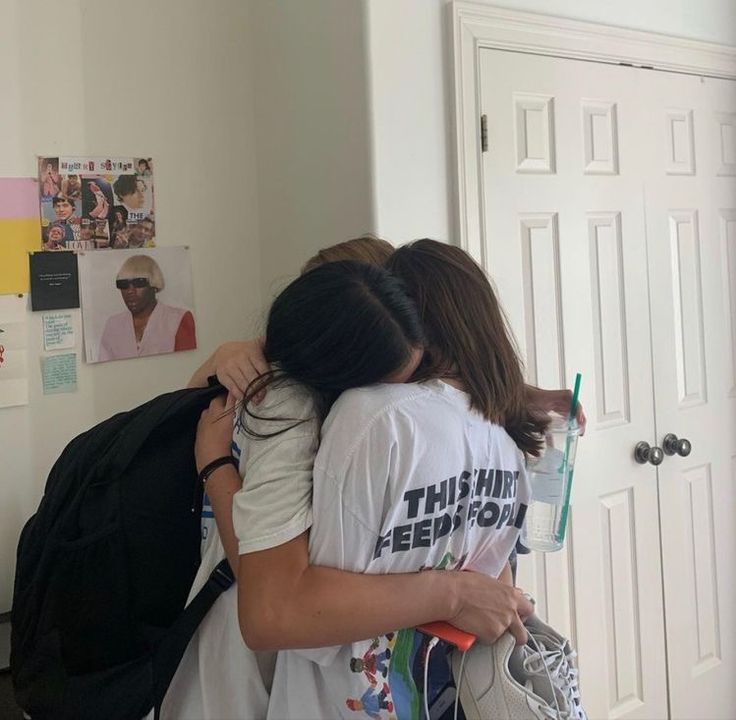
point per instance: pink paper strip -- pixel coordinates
(18, 198)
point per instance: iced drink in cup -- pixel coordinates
(550, 476)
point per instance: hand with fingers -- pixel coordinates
(488, 608)
(558, 401)
(526, 604)
(237, 364)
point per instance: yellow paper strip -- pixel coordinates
(17, 239)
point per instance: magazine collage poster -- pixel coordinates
(92, 203)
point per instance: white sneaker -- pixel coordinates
(561, 661)
(502, 682)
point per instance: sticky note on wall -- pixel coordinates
(59, 374)
(17, 238)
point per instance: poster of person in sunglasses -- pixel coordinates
(136, 303)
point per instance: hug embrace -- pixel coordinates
(378, 429)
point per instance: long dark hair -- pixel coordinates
(341, 325)
(468, 337)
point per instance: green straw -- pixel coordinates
(568, 489)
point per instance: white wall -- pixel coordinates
(314, 173)
(172, 79)
(411, 93)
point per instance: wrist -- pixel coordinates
(215, 464)
(202, 460)
(446, 587)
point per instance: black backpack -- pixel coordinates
(105, 565)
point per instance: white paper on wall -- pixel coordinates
(13, 351)
(58, 331)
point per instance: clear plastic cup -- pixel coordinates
(550, 476)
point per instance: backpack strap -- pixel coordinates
(171, 650)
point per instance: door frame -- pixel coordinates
(476, 26)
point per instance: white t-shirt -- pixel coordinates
(219, 677)
(275, 502)
(407, 477)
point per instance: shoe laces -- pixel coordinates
(569, 682)
(561, 670)
(545, 662)
(571, 675)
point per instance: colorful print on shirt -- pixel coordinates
(393, 667)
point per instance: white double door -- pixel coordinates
(610, 231)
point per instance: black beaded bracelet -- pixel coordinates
(210, 467)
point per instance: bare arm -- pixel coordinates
(214, 435)
(221, 487)
(288, 603)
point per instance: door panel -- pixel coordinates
(690, 234)
(728, 255)
(565, 244)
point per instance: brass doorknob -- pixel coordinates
(644, 453)
(672, 445)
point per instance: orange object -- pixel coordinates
(444, 631)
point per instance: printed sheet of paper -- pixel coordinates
(59, 374)
(54, 281)
(58, 331)
(13, 351)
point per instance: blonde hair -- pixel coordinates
(367, 248)
(142, 266)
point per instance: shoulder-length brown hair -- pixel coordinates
(468, 337)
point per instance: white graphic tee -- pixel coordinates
(407, 478)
